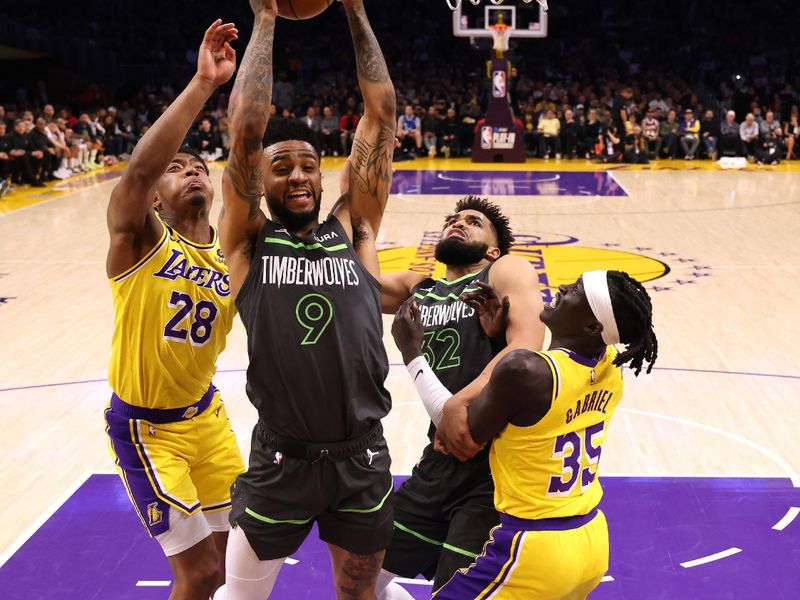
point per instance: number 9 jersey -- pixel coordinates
(173, 311)
(550, 469)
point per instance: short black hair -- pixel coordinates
(633, 313)
(281, 130)
(194, 153)
(505, 237)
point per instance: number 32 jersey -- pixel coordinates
(173, 311)
(550, 469)
(314, 335)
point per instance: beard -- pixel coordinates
(457, 253)
(197, 199)
(294, 221)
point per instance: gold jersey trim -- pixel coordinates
(125, 274)
(189, 242)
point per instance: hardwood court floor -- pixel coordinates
(718, 250)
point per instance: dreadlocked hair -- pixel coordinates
(633, 312)
(505, 237)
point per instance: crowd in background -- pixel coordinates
(626, 82)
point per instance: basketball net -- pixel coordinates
(501, 34)
(456, 4)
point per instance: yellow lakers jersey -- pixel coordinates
(173, 311)
(550, 469)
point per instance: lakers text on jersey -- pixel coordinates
(173, 311)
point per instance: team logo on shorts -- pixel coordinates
(278, 458)
(372, 454)
(154, 516)
(190, 412)
(151, 430)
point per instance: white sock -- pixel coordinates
(246, 577)
(388, 589)
(92, 155)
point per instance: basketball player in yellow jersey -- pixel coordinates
(549, 413)
(168, 431)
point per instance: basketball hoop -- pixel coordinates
(501, 34)
(456, 4)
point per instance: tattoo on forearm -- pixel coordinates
(369, 58)
(253, 87)
(251, 95)
(244, 172)
(360, 573)
(371, 163)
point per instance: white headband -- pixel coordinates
(595, 286)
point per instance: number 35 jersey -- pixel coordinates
(314, 335)
(550, 469)
(173, 311)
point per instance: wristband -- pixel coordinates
(433, 394)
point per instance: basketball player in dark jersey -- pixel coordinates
(444, 511)
(309, 297)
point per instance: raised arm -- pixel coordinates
(248, 113)
(373, 146)
(131, 220)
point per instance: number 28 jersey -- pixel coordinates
(173, 311)
(551, 469)
(314, 335)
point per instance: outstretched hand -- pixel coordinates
(216, 59)
(407, 330)
(492, 311)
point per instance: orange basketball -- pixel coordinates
(302, 9)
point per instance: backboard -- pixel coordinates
(527, 18)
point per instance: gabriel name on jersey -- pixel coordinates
(598, 400)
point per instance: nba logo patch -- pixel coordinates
(499, 84)
(154, 515)
(487, 134)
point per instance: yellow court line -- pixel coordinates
(578, 165)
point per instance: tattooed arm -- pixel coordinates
(370, 164)
(248, 112)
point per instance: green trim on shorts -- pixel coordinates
(402, 527)
(369, 510)
(444, 545)
(282, 242)
(460, 551)
(255, 515)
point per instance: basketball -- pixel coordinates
(302, 9)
